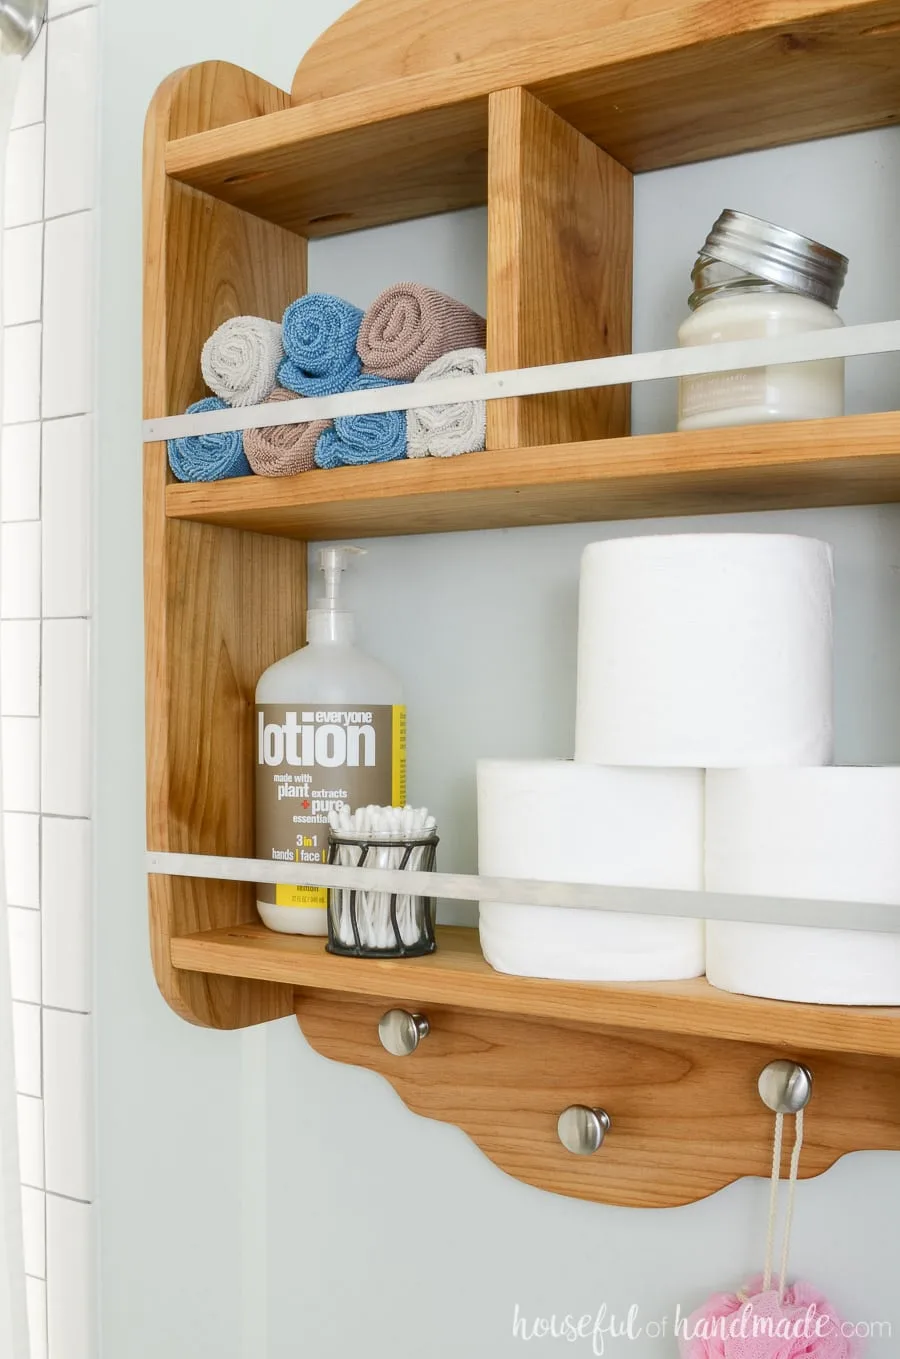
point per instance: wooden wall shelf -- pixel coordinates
(851, 461)
(674, 1064)
(682, 84)
(544, 119)
(457, 975)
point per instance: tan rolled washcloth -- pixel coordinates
(409, 326)
(283, 450)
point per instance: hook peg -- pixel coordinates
(401, 1032)
(582, 1129)
(785, 1087)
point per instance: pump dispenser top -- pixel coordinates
(326, 621)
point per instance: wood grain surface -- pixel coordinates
(685, 1113)
(854, 460)
(560, 229)
(653, 85)
(457, 976)
(220, 605)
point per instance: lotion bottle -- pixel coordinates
(330, 729)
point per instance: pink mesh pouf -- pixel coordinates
(766, 1320)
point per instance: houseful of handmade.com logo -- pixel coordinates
(604, 1329)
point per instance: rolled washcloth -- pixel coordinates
(319, 334)
(358, 439)
(208, 457)
(444, 431)
(409, 326)
(240, 360)
(283, 450)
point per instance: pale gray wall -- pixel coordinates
(259, 1202)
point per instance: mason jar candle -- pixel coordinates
(755, 280)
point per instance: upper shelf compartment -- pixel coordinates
(683, 84)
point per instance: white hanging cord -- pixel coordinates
(773, 1201)
(792, 1190)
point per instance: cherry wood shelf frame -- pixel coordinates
(850, 461)
(398, 111)
(674, 1064)
(671, 84)
(457, 974)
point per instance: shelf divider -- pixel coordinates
(560, 231)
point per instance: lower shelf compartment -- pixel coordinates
(458, 976)
(851, 460)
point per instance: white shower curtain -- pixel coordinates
(13, 1315)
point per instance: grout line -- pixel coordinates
(69, 1198)
(61, 1009)
(58, 18)
(59, 216)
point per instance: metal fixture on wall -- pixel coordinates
(20, 24)
(582, 1130)
(401, 1032)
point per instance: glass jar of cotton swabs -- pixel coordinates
(380, 924)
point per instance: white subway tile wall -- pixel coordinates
(22, 373)
(20, 472)
(24, 197)
(31, 1140)
(65, 717)
(20, 743)
(67, 937)
(66, 516)
(67, 384)
(34, 1231)
(25, 954)
(22, 274)
(68, 1104)
(20, 570)
(71, 1310)
(36, 1301)
(21, 836)
(47, 298)
(29, 104)
(20, 668)
(27, 1044)
(72, 58)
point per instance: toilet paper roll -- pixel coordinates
(564, 822)
(705, 649)
(829, 834)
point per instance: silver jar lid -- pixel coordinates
(776, 255)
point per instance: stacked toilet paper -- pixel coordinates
(824, 834)
(699, 653)
(567, 822)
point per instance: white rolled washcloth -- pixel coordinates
(444, 431)
(240, 360)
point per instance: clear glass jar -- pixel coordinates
(775, 283)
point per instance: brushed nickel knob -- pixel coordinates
(582, 1130)
(401, 1032)
(785, 1087)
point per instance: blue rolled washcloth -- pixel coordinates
(319, 333)
(357, 439)
(209, 457)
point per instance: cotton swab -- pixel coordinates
(373, 908)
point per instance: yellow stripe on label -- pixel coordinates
(313, 897)
(398, 756)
